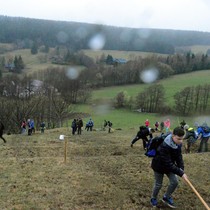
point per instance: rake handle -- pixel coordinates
(196, 192)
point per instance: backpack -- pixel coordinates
(154, 143)
(142, 127)
(144, 130)
(206, 129)
(110, 124)
(73, 124)
(192, 132)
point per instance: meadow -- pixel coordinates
(171, 85)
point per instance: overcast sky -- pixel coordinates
(163, 14)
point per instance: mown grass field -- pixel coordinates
(101, 171)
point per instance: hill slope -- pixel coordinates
(24, 31)
(102, 172)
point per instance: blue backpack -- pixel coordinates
(206, 129)
(154, 143)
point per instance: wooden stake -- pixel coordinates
(65, 150)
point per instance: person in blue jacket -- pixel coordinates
(89, 125)
(203, 135)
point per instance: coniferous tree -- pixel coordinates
(18, 63)
(109, 60)
(34, 48)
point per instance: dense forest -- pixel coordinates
(76, 36)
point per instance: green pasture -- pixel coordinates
(131, 119)
(37, 62)
(100, 107)
(172, 85)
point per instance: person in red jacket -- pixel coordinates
(147, 123)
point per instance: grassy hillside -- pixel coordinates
(102, 171)
(196, 49)
(128, 55)
(33, 63)
(131, 55)
(41, 60)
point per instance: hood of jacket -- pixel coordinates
(169, 141)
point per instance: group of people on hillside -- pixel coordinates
(201, 133)
(76, 126)
(28, 126)
(168, 159)
(160, 126)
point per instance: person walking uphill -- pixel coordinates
(79, 126)
(147, 123)
(74, 126)
(203, 135)
(190, 136)
(167, 125)
(142, 134)
(168, 161)
(2, 132)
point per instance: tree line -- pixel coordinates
(51, 99)
(189, 101)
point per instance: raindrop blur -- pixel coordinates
(97, 42)
(72, 73)
(62, 37)
(149, 75)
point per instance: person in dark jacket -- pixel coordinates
(109, 123)
(142, 134)
(74, 126)
(190, 136)
(182, 124)
(79, 126)
(168, 161)
(42, 127)
(2, 132)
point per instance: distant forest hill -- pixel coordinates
(76, 36)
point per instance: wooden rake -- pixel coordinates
(196, 192)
